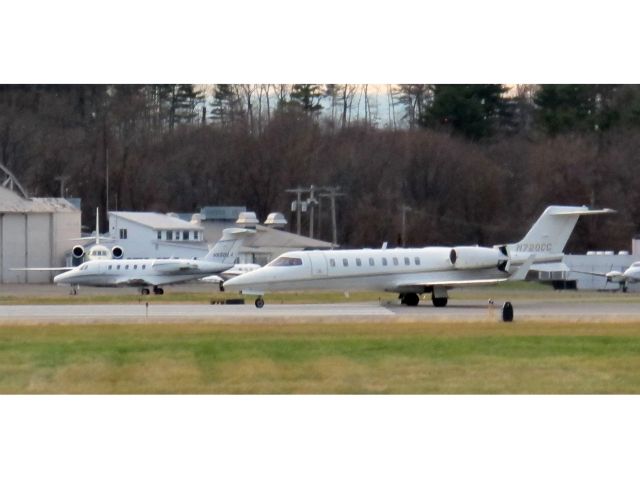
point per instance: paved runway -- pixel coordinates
(317, 313)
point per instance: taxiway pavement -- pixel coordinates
(467, 310)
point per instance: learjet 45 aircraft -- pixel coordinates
(155, 273)
(414, 271)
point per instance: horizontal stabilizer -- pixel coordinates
(550, 267)
(603, 211)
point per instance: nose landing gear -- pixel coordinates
(259, 302)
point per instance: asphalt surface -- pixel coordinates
(467, 310)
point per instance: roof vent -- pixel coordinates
(276, 220)
(247, 219)
(196, 218)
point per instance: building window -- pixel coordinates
(332, 262)
(118, 267)
(417, 261)
(371, 262)
(384, 261)
(126, 266)
(185, 235)
(395, 261)
(110, 266)
(159, 234)
(169, 235)
(195, 235)
(135, 266)
(123, 233)
(144, 266)
(358, 262)
(345, 262)
(407, 261)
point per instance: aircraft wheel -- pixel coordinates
(259, 303)
(158, 291)
(439, 302)
(144, 291)
(411, 299)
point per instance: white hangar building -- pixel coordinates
(34, 232)
(156, 235)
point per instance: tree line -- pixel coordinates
(475, 163)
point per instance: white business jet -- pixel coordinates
(97, 251)
(414, 271)
(623, 278)
(155, 273)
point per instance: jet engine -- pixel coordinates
(470, 257)
(117, 252)
(77, 251)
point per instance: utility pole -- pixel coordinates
(310, 204)
(317, 191)
(106, 162)
(404, 209)
(332, 193)
(62, 179)
(298, 191)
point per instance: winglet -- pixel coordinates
(522, 271)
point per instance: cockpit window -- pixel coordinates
(286, 261)
(636, 264)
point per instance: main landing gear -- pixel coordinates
(259, 302)
(156, 290)
(409, 299)
(74, 290)
(439, 298)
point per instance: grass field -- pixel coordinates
(313, 358)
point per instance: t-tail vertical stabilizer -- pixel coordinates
(225, 251)
(550, 233)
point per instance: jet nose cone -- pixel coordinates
(233, 284)
(60, 278)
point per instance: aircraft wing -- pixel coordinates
(133, 282)
(453, 283)
(174, 268)
(603, 275)
(61, 268)
(519, 275)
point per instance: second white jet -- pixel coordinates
(155, 273)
